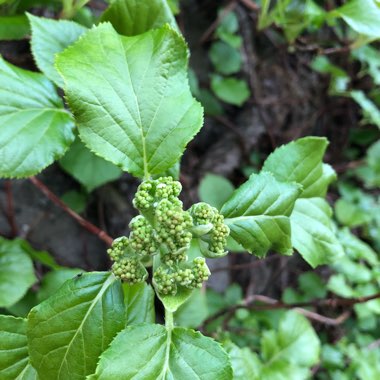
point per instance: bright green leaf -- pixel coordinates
(258, 214)
(246, 365)
(149, 352)
(36, 130)
(225, 58)
(230, 90)
(295, 342)
(215, 190)
(313, 234)
(16, 272)
(88, 169)
(14, 358)
(138, 111)
(53, 280)
(361, 15)
(194, 311)
(370, 111)
(301, 161)
(67, 332)
(139, 303)
(50, 37)
(133, 17)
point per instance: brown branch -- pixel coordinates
(273, 304)
(10, 208)
(210, 30)
(250, 5)
(83, 222)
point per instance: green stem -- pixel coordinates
(169, 321)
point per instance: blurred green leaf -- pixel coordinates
(225, 58)
(215, 190)
(230, 90)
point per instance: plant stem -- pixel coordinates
(83, 222)
(169, 321)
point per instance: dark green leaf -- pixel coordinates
(122, 110)
(258, 214)
(50, 37)
(14, 27)
(36, 129)
(88, 169)
(133, 17)
(194, 311)
(68, 331)
(149, 352)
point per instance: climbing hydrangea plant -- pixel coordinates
(130, 103)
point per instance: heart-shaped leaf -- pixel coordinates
(131, 98)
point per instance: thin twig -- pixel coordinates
(250, 5)
(10, 208)
(210, 30)
(273, 304)
(83, 222)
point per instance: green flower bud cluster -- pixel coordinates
(152, 191)
(141, 238)
(119, 248)
(173, 230)
(167, 279)
(209, 226)
(164, 232)
(130, 269)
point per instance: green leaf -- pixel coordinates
(301, 161)
(139, 303)
(370, 111)
(194, 311)
(258, 214)
(138, 111)
(295, 342)
(361, 15)
(14, 27)
(67, 332)
(150, 352)
(246, 365)
(230, 90)
(338, 285)
(50, 37)
(131, 18)
(36, 130)
(16, 272)
(88, 169)
(53, 280)
(14, 358)
(356, 248)
(313, 234)
(225, 58)
(350, 214)
(215, 190)
(76, 200)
